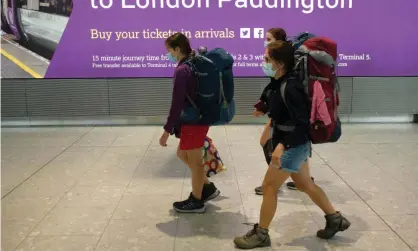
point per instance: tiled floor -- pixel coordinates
(111, 189)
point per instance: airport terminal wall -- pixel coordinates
(132, 101)
(101, 72)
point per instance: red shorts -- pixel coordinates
(192, 136)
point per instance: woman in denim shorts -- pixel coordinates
(291, 148)
(272, 35)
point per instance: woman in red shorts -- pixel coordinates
(191, 136)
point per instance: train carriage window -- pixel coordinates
(59, 7)
(22, 4)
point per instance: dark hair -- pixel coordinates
(282, 52)
(179, 40)
(278, 33)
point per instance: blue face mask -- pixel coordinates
(266, 43)
(268, 69)
(171, 58)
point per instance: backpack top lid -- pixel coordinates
(220, 57)
(299, 39)
(322, 49)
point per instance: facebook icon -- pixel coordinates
(258, 32)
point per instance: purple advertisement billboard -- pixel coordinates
(125, 38)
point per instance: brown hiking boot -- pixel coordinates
(255, 238)
(334, 223)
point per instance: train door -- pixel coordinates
(11, 15)
(4, 23)
(4, 5)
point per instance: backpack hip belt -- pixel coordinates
(283, 128)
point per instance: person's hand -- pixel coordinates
(276, 155)
(258, 113)
(164, 138)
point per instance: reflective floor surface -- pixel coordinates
(112, 188)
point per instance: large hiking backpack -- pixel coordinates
(315, 59)
(214, 103)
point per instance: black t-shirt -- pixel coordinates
(296, 113)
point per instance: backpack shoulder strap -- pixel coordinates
(222, 97)
(191, 101)
(193, 69)
(283, 94)
(285, 128)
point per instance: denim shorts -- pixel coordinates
(293, 158)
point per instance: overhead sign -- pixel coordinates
(125, 38)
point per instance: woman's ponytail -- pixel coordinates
(192, 53)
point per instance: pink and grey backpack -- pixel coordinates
(315, 59)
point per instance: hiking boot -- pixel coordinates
(255, 238)
(209, 192)
(292, 186)
(334, 223)
(191, 205)
(259, 190)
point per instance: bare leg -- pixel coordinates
(194, 157)
(183, 157)
(273, 180)
(335, 221)
(205, 179)
(258, 236)
(182, 154)
(266, 134)
(305, 184)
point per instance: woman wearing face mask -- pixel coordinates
(292, 148)
(191, 136)
(272, 35)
